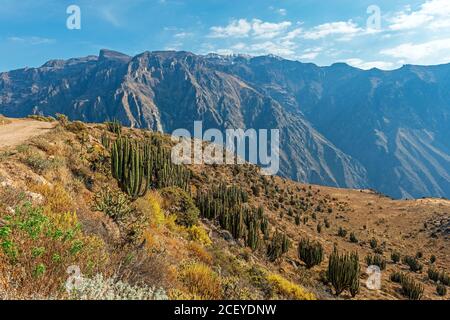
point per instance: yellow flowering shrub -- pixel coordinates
(285, 288)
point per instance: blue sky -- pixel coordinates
(323, 32)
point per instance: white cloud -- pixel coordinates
(182, 35)
(267, 30)
(293, 34)
(433, 14)
(346, 29)
(236, 29)
(367, 65)
(311, 53)
(283, 12)
(430, 52)
(31, 40)
(242, 28)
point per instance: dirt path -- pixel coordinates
(20, 130)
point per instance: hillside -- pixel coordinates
(61, 206)
(340, 126)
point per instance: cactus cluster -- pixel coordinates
(228, 206)
(343, 272)
(411, 289)
(413, 263)
(139, 165)
(311, 253)
(278, 246)
(114, 126)
(376, 260)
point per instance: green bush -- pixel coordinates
(113, 203)
(178, 202)
(311, 253)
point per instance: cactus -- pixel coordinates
(114, 126)
(395, 257)
(397, 277)
(413, 263)
(278, 246)
(343, 271)
(441, 290)
(311, 253)
(411, 289)
(376, 260)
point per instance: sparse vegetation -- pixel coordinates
(395, 257)
(343, 272)
(376, 260)
(441, 290)
(411, 289)
(413, 263)
(311, 253)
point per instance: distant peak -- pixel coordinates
(106, 54)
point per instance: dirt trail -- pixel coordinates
(20, 130)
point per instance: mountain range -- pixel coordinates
(339, 125)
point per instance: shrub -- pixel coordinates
(353, 238)
(396, 277)
(102, 288)
(62, 119)
(39, 162)
(311, 253)
(288, 289)
(178, 202)
(441, 290)
(327, 223)
(419, 255)
(376, 260)
(76, 127)
(413, 263)
(198, 234)
(395, 257)
(113, 203)
(343, 272)
(37, 245)
(342, 232)
(201, 281)
(411, 289)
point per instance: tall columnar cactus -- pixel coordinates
(311, 253)
(130, 168)
(253, 227)
(343, 272)
(278, 246)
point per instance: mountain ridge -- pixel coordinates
(341, 126)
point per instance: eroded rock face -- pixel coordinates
(340, 126)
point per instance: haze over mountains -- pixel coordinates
(339, 126)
